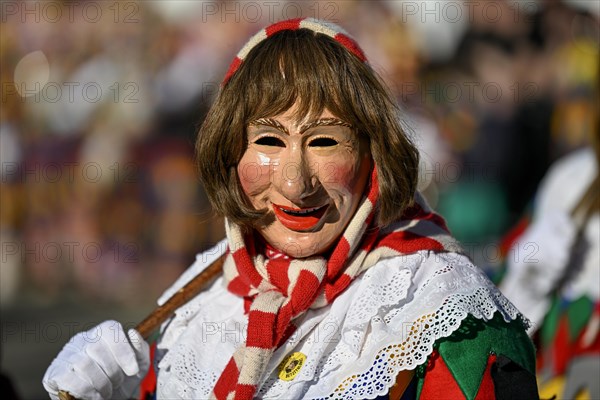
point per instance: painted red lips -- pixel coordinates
(299, 219)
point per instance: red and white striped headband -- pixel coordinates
(327, 28)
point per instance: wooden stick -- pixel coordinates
(164, 312)
(181, 297)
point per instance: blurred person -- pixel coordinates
(535, 59)
(553, 276)
(339, 280)
(553, 273)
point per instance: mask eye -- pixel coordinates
(323, 142)
(269, 141)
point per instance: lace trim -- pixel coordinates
(190, 375)
(424, 332)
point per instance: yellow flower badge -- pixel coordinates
(291, 365)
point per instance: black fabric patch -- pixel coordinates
(511, 381)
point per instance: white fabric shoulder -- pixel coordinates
(565, 184)
(566, 181)
(385, 322)
(538, 258)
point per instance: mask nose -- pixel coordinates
(296, 179)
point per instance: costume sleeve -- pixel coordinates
(481, 360)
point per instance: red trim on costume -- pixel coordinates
(439, 381)
(486, 387)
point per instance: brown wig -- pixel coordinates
(316, 72)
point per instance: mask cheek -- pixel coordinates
(342, 175)
(254, 177)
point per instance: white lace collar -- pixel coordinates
(385, 322)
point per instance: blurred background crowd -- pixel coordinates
(101, 207)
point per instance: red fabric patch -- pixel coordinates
(278, 274)
(238, 286)
(338, 258)
(283, 319)
(235, 64)
(408, 242)
(260, 329)
(374, 188)
(148, 385)
(244, 392)
(305, 291)
(417, 212)
(245, 267)
(486, 387)
(351, 45)
(227, 380)
(439, 382)
(288, 25)
(332, 291)
(561, 347)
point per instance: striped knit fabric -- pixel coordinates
(315, 25)
(279, 289)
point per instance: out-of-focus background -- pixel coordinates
(101, 208)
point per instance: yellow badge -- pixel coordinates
(291, 365)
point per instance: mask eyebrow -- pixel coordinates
(324, 122)
(273, 123)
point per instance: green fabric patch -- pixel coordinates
(578, 314)
(420, 374)
(550, 323)
(467, 350)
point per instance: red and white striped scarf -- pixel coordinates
(280, 289)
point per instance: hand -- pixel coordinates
(102, 363)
